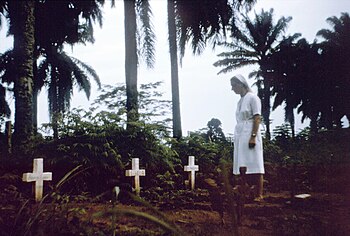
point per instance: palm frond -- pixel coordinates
(63, 72)
(3, 11)
(182, 40)
(147, 36)
(238, 33)
(82, 81)
(325, 33)
(240, 53)
(87, 69)
(91, 11)
(255, 74)
(279, 29)
(7, 67)
(4, 107)
(232, 65)
(334, 21)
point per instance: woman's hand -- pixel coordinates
(252, 142)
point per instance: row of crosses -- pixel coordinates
(39, 176)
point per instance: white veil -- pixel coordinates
(241, 79)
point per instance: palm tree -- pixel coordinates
(291, 71)
(54, 32)
(200, 21)
(131, 62)
(60, 72)
(195, 22)
(253, 43)
(133, 52)
(177, 128)
(22, 23)
(336, 50)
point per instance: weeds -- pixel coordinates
(158, 218)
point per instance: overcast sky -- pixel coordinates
(203, 94)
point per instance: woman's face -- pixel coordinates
(237, 87)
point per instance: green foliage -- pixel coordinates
(272, 152)
(153, 108)
(96, 153)
(98, 139)
(157, 217)
(39, 218)
(207, 154)
(168, 181)
(96, 145)
(326, 147)
(215, 133)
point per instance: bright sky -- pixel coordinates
(203, 94)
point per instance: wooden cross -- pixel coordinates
(192, 168)
(38, 176)
(136, 172)
(242, 191)
(117, 191)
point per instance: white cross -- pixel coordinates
(135, 171)
(38, 176)
(192, 168)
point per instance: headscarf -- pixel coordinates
(241, 79)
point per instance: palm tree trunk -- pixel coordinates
(35, 99)
(131, 62)
(54, 103)
(8, 135)
(266, 105)
(314, 123)
(292, 125)
(289, 117)
(23, 21)
(266, 95)
(177, 130)
(35, 111)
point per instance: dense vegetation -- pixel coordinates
(98, 138)
(289, 68)
(88, 151)
(95, 148)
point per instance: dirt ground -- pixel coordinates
(325, 212)
(277, 214)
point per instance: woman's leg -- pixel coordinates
(260, 185)
(257, 182)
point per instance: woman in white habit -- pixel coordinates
(248, 148)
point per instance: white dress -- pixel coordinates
(252, 158)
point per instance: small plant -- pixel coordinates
(155, 217)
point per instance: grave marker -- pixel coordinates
(38, 176)
(136, 172)
(192, 168)
(243, 190)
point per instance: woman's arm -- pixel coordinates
(256, 123)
